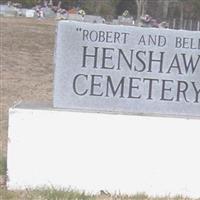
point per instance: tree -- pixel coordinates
(181, 2)
(196, 8)
(165, 8)
(141, 8)
(189, 9)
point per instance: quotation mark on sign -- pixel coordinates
(79, 29)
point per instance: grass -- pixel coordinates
(44, 194)
(3, 165)
(69, 194)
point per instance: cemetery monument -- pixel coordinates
(119, 70)
(127, 69)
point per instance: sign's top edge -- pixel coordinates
(49, 107)
(127, 26)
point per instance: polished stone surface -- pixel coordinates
(127, 69)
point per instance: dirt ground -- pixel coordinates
(26, 63)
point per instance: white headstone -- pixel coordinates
(8, 11)
(30, 13)
(126, 69)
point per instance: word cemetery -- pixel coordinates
(127, 69)
(118, 70)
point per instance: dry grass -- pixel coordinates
(68, 194)
(26, 62)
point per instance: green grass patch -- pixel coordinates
(44, 194)
(69, 194)
(3, 165)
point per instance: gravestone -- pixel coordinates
(49, 13)
(115, 22)
(62, 16)
(129, 70)
(75, 17)
(30, 13)
(94, 19)
(125, 20)
(2, 9)
(22, 12)
(8, 11)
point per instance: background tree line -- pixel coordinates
(159, 9)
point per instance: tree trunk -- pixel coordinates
(181, 14)
(50, 2)
(59, 4)
(141, 8)
(144, 7)
(138, 10)
(165, 9)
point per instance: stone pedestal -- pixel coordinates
(93, 152)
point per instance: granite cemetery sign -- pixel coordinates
(124, 69)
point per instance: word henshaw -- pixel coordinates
(138, 84)
(127, 69)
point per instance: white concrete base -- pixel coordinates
(88, 151)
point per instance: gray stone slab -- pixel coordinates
(75, 17)
(125, 20)
(115, 22)
(94, 19)
(49, 13)
(126, 69)
(21, 12)
(7, 11)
